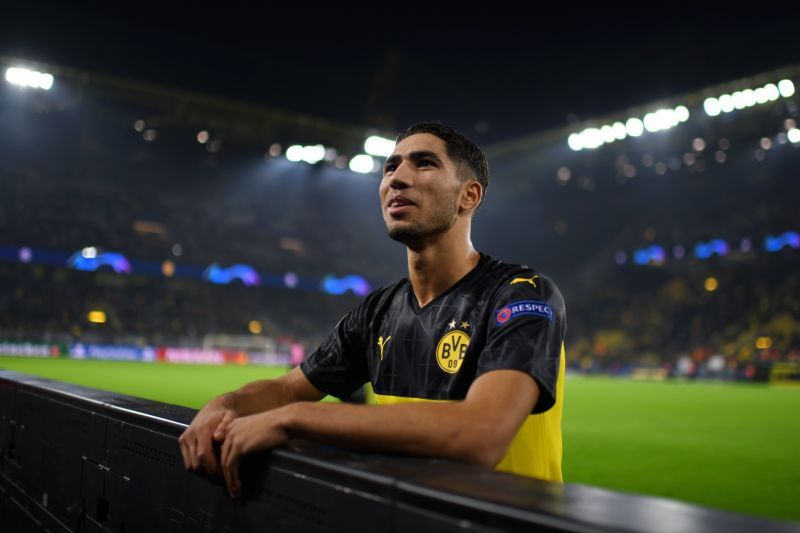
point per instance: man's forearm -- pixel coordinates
(475, 430)
(256, 397)
(449, 430)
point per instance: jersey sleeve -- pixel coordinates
(526, 331)
(339, 366)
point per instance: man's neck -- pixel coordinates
(439, 265)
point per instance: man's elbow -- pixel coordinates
(489, 456)
(484, 449)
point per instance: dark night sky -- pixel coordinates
(493, 75)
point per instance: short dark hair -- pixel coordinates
(469, 160)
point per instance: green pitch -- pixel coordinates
(728, 446)
(188, 385)
(725, 445)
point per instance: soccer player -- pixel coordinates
(465, 356)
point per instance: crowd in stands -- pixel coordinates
(86, 177)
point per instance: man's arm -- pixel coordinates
(476, 430)
(212, 420)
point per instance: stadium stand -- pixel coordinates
(117, 166)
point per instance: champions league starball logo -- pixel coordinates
(503, 315)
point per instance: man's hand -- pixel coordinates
(248, 434)
(209, 425)
(212, 423)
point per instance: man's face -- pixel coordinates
(420, 189)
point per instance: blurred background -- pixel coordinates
(203, 189)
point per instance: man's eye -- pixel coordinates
(387, 168)
(424, 161)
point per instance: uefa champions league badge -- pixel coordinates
(524, 307)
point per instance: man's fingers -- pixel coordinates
(236, 485)
(198, 442)
(187, 461)
(231, 471)
(208, 461)
(224, 452)
(230, 468)
(191, 444)
(222, 428)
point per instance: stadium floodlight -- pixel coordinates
(739, 101)
(748, 98)
(362, 163)
(667, 118)
(591, 138)
(379, 146)
(313, 154)
(786, 88)
(574, 142)
(607, 133)
(634, 127)
(660, 120)
(712, 107)
(772, 92)
(651, 122)
(29, 78)
(294, 153)
(726, 103)
(793, 135)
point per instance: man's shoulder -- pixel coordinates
(522, 291)
(519, 278)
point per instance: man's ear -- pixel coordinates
(472, 196)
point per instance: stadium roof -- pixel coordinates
(497, 77)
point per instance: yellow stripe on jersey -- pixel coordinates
(536, 449)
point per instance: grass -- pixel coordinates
(728, 446)
(179, 384)
(724, 445)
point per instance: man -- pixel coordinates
(466, 356)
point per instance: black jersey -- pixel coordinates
(498, 316)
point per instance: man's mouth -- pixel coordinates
(399, 205)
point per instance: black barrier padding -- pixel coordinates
(79, 459)
(19, 512)
(52, 434)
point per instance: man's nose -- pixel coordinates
(401, 177)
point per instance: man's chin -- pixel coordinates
(412, 233)
(404, 234)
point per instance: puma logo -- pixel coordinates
(382, 343)
(525, 280)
